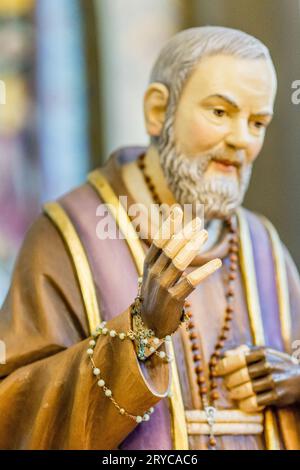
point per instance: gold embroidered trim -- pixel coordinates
(87, 288)
(250, 283)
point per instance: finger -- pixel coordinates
(189, 282)
(255, 355)
(231, 363)
(189, 250)
(263, 384)
(170, 276)
(162, 262)
(237, 378)
(241, 391)
(259, 369)
(267, 398)
(178, 240)
(170, 226)
(175, 247)
(152, 255)
(250, 404)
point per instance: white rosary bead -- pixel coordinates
(144, 341)
(139, 419)
(101, 383)
(104, 331)
(169, 358)
(156, 341)
(122, 411)
(168, 338)
(90, 352)
(151, 410)
(92, 342)
(152, 349)
(113, 333)
(146, 417)
(162, 354)
(96, 371)
(102, 325)
(108, 393)
(122, 336)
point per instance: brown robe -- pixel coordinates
(48, 396)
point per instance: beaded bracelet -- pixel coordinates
(101, 383)
(141, 335)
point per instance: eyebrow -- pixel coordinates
(234, 105)
(224, 98)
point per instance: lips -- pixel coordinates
(226, 163)
(226, 166)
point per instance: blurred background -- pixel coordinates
(73, 73)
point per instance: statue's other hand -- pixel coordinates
(257, 377)
(165, 285)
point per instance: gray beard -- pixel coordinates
(219, 195)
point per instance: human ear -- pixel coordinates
(155, 106)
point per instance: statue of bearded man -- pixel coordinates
(200, 355)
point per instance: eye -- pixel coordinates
(219, 112)
(259, 125)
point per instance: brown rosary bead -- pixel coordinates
(198, 369)
(191, 325)
(200, 380)
(229, 293)
(194, 347)
(213, 372)
(220, 344)
(233, 257)
(213, 360)
(229, 309)
(233, 267)
(214, 395)
(223, 336)
(203, 389)
(187, 304)
(213, 385)
(232, 276)
(217, 353)
(196, 357)
(229, 316)
(212, 442)
(193, 335)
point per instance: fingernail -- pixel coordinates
(214, 264)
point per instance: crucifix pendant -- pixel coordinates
(210, 412)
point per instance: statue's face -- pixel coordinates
(226, 104)
(208, 146)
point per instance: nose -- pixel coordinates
(239, 136)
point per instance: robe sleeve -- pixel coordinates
(49, 398)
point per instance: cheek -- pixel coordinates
(195, 134)
(254, 149)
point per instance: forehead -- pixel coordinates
(248, 81)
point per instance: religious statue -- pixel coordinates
(166, 335)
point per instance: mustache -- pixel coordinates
(223, 156)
